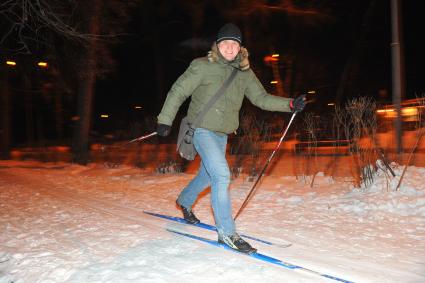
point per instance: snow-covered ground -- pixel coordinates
(67, 223)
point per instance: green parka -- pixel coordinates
(202, 80)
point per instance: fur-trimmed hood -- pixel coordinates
(242, 58)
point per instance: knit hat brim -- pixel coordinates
(229, 38)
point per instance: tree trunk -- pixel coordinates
(29, 111)
(59, 116)
(86, 86)
(5, 119)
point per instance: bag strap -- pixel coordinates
(211, 102)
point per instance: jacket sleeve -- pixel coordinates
(260, 98)
(180, 91)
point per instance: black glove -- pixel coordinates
(163, 130)
(298, 104)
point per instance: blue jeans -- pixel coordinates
(213, 171)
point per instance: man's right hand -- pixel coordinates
(163, 130)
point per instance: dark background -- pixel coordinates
(324, 50)
(160, 38)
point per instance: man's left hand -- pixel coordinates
(298, 104)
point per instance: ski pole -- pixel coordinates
(143, 137)
(251, 192)
(126, 143)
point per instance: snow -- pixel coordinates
(62, 222)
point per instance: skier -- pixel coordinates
(201, 81)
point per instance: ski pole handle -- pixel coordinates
(143, 137)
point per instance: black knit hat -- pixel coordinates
(229, 32)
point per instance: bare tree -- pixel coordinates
(26, 23)
(420, 131)
(86, 85)
(77, 34)
(359, 123)
(311, 126)
(5, 127)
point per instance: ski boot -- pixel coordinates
(237, 243)
(188, 215)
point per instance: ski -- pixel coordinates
(260, 256)
(213, 228)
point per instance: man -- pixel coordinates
(201, 81)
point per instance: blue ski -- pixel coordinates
(261, 257)
(213, 228)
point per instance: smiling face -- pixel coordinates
(229, 49)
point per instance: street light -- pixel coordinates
(137, 107)
(273, 82)
(104, 116)
(271, 58)
(311, 92)
(42, 64)
(10, 63)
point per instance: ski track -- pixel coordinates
(136, 217)
(136, 239)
